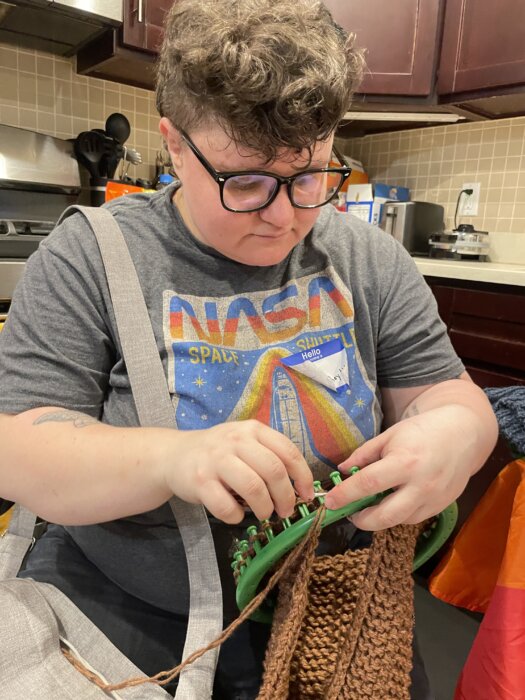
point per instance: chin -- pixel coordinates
(266, 258)
(264, 252)
(266, 262)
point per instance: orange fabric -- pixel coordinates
(495, 667)
(489, 548)
(485, 571)
(512, 571)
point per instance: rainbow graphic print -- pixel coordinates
(224, 363)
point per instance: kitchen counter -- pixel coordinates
(499, 273)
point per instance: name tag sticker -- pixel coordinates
(326, 363)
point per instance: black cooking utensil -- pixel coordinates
(118, 127)
(103, 165)
(113, 158)
(90, 148)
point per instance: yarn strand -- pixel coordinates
(309, 542)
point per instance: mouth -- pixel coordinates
(272, 236)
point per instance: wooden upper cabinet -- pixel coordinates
(483, 45)
(401, 40)
(143, 23)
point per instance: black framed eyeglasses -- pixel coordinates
(246, 191)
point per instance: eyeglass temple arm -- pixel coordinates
(340, 157)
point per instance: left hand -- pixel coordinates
(427, 459)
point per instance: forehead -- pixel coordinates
(225, 154)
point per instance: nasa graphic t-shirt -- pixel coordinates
(225, 363)
(227, 335)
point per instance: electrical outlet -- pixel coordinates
(469, 204)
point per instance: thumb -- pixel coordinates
(368, 452)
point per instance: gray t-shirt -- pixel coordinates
(222, 329)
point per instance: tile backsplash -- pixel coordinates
(435, 163)
(42, 92)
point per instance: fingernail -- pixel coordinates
(307, 494)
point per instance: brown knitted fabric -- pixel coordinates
(342, 629)
(343, 625)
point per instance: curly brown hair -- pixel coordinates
(272, 73)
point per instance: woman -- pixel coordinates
(241, 267)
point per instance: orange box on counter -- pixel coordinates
(117, 189)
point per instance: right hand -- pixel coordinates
(246, 458)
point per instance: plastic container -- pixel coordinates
(164, 180)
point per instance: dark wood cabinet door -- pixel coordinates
(486, 324)
(143, 23)
(401, 40)
(488, 329)
(483, 45)
(156, 12)
(134, 27)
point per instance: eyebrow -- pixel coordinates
(313, 165)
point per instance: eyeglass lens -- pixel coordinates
(250, 191)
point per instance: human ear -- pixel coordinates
(173, 141)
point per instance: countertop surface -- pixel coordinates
(499, 273)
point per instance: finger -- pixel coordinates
(385, 474)
(398, 507)
(294, 462)
(423, 513)
(272, 475)
(368, 452)
(221, 504)
(243, 478)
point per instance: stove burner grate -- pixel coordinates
(18, 239)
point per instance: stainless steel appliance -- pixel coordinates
(412, 223)
(58, 26)
(464, 243)
(39, 178)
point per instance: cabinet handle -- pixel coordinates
(140, 12)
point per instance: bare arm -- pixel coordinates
(71, 469)
(402, 403)
(399, 404)
(436, 437)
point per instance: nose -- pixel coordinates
(280, 213)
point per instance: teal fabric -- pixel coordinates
(508, 403)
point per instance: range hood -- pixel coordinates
(56, 26)
(370, 117)
(432, 117)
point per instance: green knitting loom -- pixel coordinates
(255, 556)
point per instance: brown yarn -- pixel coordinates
(305, 548)
(342, 629)
(343, 625)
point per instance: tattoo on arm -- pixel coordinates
(79, 420)
(410, 410)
